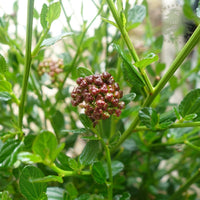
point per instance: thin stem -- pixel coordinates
(176, 125)
(108, 158)
(63, 173)
(78, 50)
(192, 145)
(37, 47)
(129, 44)
(185, 186)
(174, 66)
(30, 8)
(182, 141)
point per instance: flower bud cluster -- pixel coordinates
(99, 95)
(52, 68)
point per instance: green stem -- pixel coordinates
(108, 158)
(192, 145)
(176, 125)
(185, 186)
(174, 66)
(78, 50)
(30, 8)
(63, 173)
(129, 44)
(182, 141)
(37, 47)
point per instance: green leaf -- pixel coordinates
(117, 167)
(135, 16)
(98, 173)
(110, 22)
(9, 151)
(190, 104)
(167, 118)
(46, 179)
(73, 164)
(5, 96)
(131, 75)
(5, 86)
(86, 121)
(89, 153)
(55, 193)
(3, 36)
(3, 65)
(150, 58)
(128, 98)
(50, 41)
(53, 12)
(45, 145)
(71, 190)
(30, 190)
(190, 117)
(148, 117)
(36, 14)
(83, 72)
(43, 16)
(114, 139)
(188, 12)
(58, 121)
(29, 158)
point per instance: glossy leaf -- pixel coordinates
(5, 96)
(86, 121)
(30, 190)
(9, 151)
(45, 145)
(55, 193)
(117, 167)
(83, 72)
(50, 41)
(128, 98)
(148, 117)
(150, 58)
(89, 153)
(98, 173)
(190, 117)
(131, 75)
(3, 65)
(190, 104)
(29, 158)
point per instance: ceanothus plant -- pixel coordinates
(96, 121)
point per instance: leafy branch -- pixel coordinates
(185, 51)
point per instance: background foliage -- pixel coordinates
(48, 150)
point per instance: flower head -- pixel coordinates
(100, 95)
